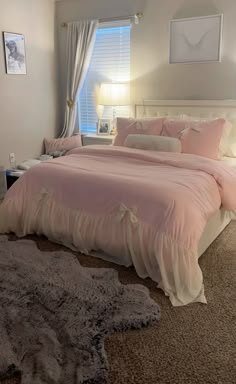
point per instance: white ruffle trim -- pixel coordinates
(119, 234)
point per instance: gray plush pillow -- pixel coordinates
(153, 143)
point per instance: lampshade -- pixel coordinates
(114, 94)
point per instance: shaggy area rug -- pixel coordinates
(191, 344)
(55, 315)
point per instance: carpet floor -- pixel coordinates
(195, 344)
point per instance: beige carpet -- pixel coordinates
(190, 345)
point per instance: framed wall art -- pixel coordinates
(14, 47)
(196, 39)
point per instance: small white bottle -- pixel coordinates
(3, 183)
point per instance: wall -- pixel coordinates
(28, 102)
(155, 78)
(152, 76)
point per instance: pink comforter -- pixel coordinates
(151, 207)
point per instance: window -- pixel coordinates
(110, 63)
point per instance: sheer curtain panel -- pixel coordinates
(80, 42)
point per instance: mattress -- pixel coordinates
(214, 227)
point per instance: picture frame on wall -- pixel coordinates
(196, 39)
(104, 127)
(14, 48)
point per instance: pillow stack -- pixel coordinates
(208, 138)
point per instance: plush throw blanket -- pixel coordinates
(144, 208)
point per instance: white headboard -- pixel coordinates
(195, 108)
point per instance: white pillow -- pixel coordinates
(153, 143)
(230, 149)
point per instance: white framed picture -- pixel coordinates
(14, 46)
(196, 39)
(104, 127)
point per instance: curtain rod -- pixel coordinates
(136, 18)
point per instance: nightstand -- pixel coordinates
(12, 176)
(92, 139)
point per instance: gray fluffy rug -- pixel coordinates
(55, 315)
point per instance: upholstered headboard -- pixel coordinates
(195, 108)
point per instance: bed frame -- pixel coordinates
(195, 108)
(202, 109)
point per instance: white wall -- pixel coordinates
(155, 78)
(28, 102)
(152, 76)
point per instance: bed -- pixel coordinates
(201, 109)
(104, 199)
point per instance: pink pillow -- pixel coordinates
(174, 128)
(201, 138)
(127, 127)
(63, 144)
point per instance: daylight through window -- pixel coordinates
(110, 63)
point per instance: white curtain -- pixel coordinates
(80, 42)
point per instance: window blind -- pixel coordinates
(110, 63)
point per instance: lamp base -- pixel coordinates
(113, 131)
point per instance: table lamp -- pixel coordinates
(114, 95)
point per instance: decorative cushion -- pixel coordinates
(153, 143)
(62, 144)
(202, 137)
(127, 126)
